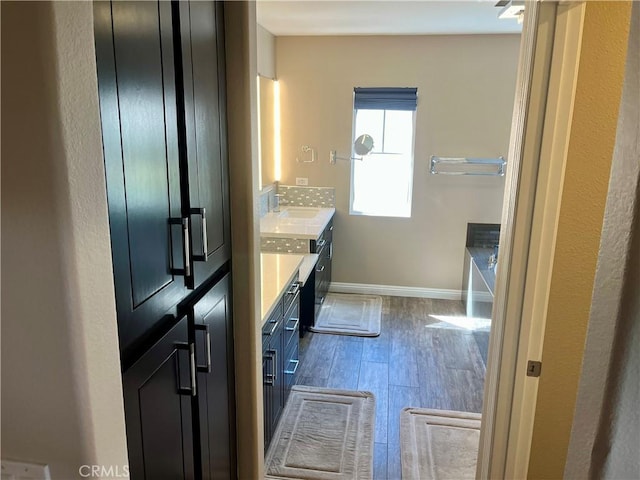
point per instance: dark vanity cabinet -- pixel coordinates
(280, 336)
(323, 246)
(272, 367)
(161, 81)
(317, 285)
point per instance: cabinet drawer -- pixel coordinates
(272, 325)
(291, 294)
(291, 363)
(328, 232)
(321, 268)
(292, 322)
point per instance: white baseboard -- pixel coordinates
(395, 291)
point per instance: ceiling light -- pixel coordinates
(513, 9)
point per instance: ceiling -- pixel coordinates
(383, 17)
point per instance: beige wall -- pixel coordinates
(466, 90)
(61, 387)
(586, 175)
(605, 435)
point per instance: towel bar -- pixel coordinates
(499, 162)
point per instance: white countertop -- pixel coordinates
(278, 270)
(296, 222)
(308, 264)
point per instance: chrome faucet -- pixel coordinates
(493, 258)
(279, 201)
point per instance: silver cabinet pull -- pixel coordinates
(321, 243)
(192, 368)
(321, 269)
(207, 338)
(294, 289)
(275, 365)
(295, 325)
(186, 249)
(203, 215)
(295, 369)
(270, 378)
(275, 326)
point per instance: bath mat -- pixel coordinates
(349, 314)
(323, 434)
(438, 444)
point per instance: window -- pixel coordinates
(381, 182)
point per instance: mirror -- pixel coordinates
(267, 130)
(363, 145)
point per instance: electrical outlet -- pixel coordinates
(302, 181)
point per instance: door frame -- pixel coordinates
(505, 415)
(547, 70)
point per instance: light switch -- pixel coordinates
(302, 181)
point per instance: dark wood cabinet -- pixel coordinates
(213, 330)
(291, 326)
(280, 337)
(272, 367)
(161, 79)
(203, 104)
(317, 285)
(324, 248)
(158, 390)
(162, 93)
(134, 50)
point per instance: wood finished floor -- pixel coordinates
(417, 361)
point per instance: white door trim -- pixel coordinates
(553, 154)
(516, 243)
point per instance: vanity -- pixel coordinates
(280, 317)
(306, 231)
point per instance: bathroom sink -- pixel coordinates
(299, 212)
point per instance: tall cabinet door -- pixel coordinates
(203, 75)
(136, 79)
(216, 399)
(158, 391)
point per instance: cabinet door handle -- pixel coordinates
(275, 365)
(190, 347)
(321, 243)
(295, 369)
(272, 377)
(268, 377)
(203, 215)
(295, 325)
(321, 269)
(207, 338)
(186, 249)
